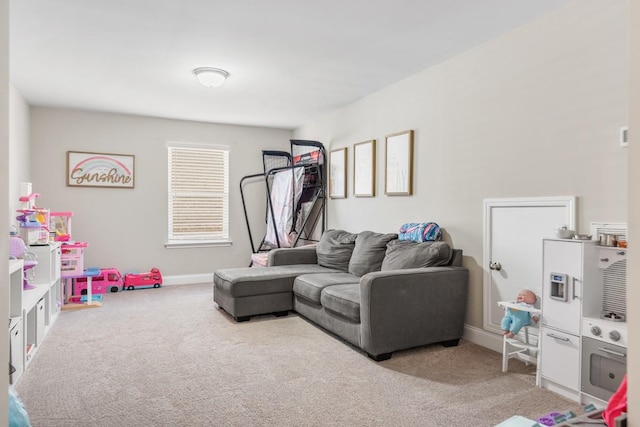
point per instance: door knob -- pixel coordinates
(495, 266)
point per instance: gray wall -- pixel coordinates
(127, 228)
(535, 112)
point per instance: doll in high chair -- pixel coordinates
(515, 319)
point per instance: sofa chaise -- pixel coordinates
(377, 292)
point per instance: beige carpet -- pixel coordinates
(170, 357)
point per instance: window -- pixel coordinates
(198, 194)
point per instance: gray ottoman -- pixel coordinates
(249, 291)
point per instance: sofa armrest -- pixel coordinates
(401, 309)
(290, 256)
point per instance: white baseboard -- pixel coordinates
(187, 279)
(483, 338)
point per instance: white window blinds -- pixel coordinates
(198, 193)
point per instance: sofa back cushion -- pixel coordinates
(369, 252)
(334, 249)
(401, 254)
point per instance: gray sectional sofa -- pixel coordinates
(374, 291)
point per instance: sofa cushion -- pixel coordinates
(343, 300)
(403, 254)
(250, 281)
(310, 286)
(335, 248)
(369, 252)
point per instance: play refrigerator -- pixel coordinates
(571, 286)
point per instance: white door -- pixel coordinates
(512, 260)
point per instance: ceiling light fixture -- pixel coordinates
(211, 77)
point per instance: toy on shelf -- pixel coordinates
(60, 226)
(33, 221)
(152, 279)
(72, 259)
(34, 225)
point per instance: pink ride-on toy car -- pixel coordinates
(152, 279)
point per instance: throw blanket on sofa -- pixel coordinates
(420, 232)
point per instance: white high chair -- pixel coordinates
(521, 345)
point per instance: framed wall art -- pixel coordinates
(364, 169)
(399, 164)
(100, 170)
(338, 173)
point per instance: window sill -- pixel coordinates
(189, 244)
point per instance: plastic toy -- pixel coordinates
(108, 280)
(86, 298)
(72, 259)
(60, 226)
(152, 279)
(18, 250)
(34, 226)
(549, 419)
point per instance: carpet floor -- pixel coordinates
(170, 357)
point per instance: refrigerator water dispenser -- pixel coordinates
(559, 286)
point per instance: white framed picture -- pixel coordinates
(338, 173)
(399, 164)
(364, 169)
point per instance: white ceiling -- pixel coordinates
(289, 60)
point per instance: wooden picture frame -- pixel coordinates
(364, 169)
(398, 180)
(338, 173)
(85, 169)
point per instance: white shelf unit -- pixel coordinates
(34, 310)
(16, 334)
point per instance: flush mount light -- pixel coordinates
(211, 77)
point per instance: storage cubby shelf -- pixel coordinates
(32, 311)
(15, 265)
(30, 297)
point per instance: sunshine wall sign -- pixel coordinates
(100, 170)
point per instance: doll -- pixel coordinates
(515, 319)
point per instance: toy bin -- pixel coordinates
(72, 259)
